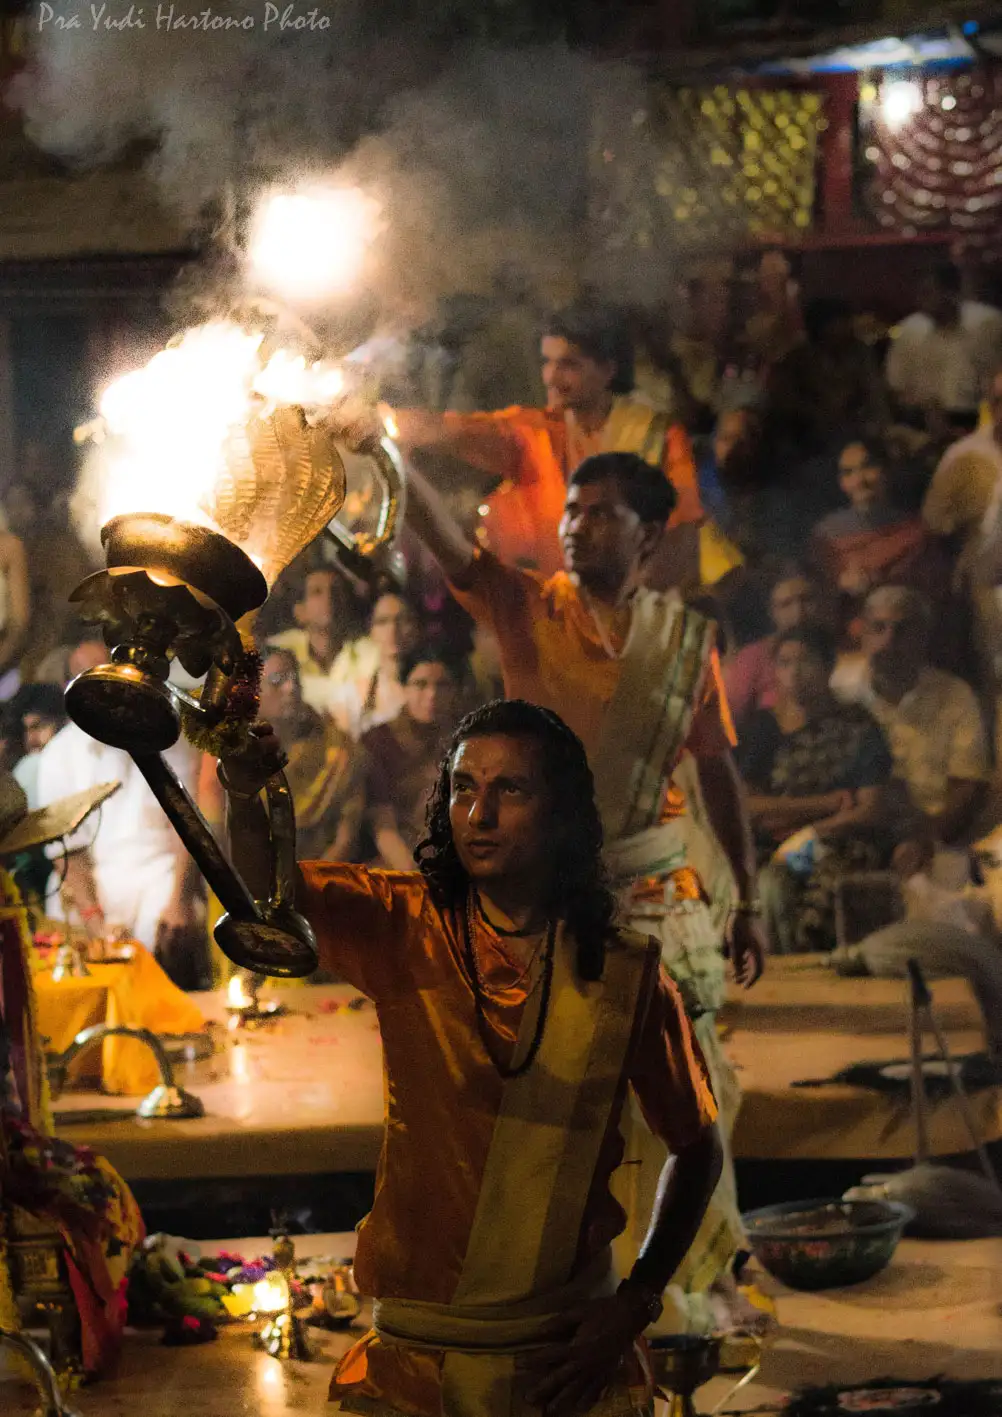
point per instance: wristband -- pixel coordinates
(747, 907)
(651, 1301)
(232, 791)
(92, 912)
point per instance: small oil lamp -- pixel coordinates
(284, 1335)
(217, 467)
(243, 1006)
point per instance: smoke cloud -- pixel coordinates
(479, 156)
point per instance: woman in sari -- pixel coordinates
(815, 771)
(377, 695)
(872, 542)
(404, 755)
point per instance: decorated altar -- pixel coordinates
(135, 992)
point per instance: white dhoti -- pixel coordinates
(691, 935)
(691, 952)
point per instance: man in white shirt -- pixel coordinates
(932, 723)
(329, 655)
(131, 870)
(965, 500)
(943, 357)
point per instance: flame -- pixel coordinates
(312, 242)
(270, 1296)
(288, 379)
(211, 431)
(170, 422)
(237, 994)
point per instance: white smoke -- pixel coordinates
(479, 161)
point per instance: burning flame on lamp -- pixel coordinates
(171, 433)
(271, 1295)
(214, 467)
(312, 242)
(237, 994)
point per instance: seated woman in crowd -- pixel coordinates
(750, 672)
(325, 768)
(404, 755)
(376, 696)
(815, 770)
(871, 542)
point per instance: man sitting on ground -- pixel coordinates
(41, 711)
(513, 1016)
(326, 645)
(932, 723)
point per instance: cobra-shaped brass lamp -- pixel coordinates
(187, 556)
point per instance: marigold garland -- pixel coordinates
(230, 734)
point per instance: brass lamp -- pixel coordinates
(174, 588)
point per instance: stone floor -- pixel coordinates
(936, 1310)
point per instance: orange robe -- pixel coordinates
(382, 932)
(528, 448)
(551, 654)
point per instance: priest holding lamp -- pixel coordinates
(214, 466)
(515, 1017)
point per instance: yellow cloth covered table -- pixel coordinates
(137, 994)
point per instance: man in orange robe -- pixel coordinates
(514, 1019)
(587, 370)
(633, 671)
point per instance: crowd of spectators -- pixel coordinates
(849, 547)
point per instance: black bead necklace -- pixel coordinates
(479, 989)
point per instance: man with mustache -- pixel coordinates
(587, 370)
(633, 671)
(514, 1017)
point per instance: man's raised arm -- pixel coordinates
(433, 523)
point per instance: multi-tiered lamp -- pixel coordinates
(217, 465)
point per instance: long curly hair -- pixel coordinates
(578, 890)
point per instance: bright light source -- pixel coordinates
(899, 101)
(312, 243)
(948, 102)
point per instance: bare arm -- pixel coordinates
(684, 1190)
(867, 810)
(250, 841)
(430, 519)
(789, 814)
(573, 1375)
(392, 847)
(342, 848)
(79, 891)
(726, 806)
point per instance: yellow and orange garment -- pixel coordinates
(492, 1205)
(326, 773)
(535, 450)
(552, 655)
